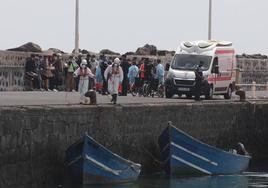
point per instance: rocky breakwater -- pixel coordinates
(33, 139)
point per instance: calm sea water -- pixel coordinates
(246, 180)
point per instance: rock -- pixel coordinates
(28, 47)
(52, 51)
(162, 52)
(56, 51)
(253, 56)
(165, 53)
(108, 52)
(130, 53)
(172, 53)
(80, 51)
(85, 51)
(147, 50)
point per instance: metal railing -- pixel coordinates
(254, 86)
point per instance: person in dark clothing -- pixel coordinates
(88, 58)
(103, 66)
(198, 80)
(39, 69)
(148, 70)
(167, 66)
(78, 62)
(91, 80)
(52, 79)
(30, 64)
(125, 66)
(58, 71)
(30, 74)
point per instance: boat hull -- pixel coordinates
(91, 163)
(185, 155)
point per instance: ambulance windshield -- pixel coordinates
(190, 62)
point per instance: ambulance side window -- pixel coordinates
(215, 66)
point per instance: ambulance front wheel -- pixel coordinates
(209, 92)
(189, 96)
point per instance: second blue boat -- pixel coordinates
(185, 155)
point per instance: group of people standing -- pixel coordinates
(114, 76)
(107, 75)
(44, 72)
(92, 73)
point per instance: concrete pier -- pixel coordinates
(33, 139)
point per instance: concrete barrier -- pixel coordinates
(33, 139)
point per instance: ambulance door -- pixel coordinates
(225, 71)
(215, 72)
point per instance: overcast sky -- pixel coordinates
(125, 25)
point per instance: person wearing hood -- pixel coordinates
(84, 73)
(114, 76)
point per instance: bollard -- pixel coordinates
(241, 94)
(254, 89)
(91, 94)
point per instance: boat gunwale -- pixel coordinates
(128, 162)
(207, 145)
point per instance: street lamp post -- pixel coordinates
(76, 51)
(209, 19)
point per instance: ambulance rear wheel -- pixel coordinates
(228, 95)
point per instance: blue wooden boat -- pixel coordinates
(185, 155)
(91, 163)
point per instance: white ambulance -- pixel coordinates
(219, 62)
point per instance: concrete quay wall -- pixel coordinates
(33, 139)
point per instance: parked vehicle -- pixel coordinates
(219, 62)
(185, 155)
(91, 163)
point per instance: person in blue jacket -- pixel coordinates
(133, 73)
(160, 72)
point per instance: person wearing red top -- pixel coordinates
(142, 71)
